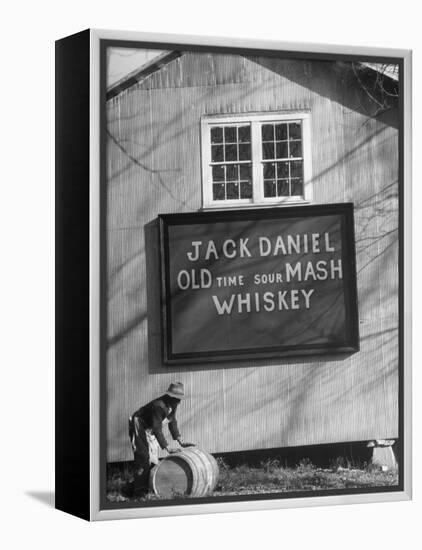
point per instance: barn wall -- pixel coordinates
(154, 167)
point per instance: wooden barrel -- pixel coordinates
(191, 472)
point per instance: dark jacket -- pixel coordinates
(152, 415)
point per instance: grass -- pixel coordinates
(269, 477)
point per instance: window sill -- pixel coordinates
(243, 206)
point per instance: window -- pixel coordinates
(231, 162)
(256, 159)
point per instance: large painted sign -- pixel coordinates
(258, 283)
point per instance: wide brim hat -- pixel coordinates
(176, 390)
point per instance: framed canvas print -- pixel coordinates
(233, 275)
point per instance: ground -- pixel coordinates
(270, 477)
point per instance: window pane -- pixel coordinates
(281, 132)
(232, 191)
(283, 188)
(282, 170)
(217, 153)
(218, 191)
(244, 152)
(245, 172)
(245, 190)
(216, 134)
(267, 132)
(269, 188)
(218, 173)
(268, 150)
(231, 172)
(295, 131)
(296, 169)
(295, 148)
(297, 187)
(244, 133)
(231, 152)
(230, 134)
(282, 150)
(269, 170)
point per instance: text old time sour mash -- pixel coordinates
(291, 247)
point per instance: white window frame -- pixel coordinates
(256, 120)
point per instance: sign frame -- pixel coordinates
(350, 345)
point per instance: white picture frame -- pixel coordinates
(91, 413)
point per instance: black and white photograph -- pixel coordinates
(252, 274)
(210, 275)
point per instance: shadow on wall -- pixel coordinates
(45, 497)
(357, 91)
(156, 364)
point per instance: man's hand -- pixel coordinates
(173, 451)
(184, 445)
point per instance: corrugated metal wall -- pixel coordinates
(154, 166)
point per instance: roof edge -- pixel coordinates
(390, 70)
(158, 62)
(139, 74)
